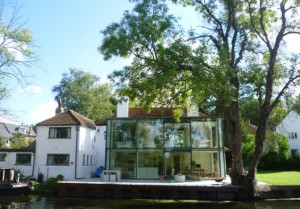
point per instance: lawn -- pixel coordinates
(279, 177)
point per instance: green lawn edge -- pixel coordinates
(279, 178)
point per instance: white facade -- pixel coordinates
(100, 144)
(290, 127)
(80, 147)
(10, 161)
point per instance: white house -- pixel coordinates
(290, 127)
(22, 160)
(66, 145)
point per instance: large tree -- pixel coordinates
(16, 54)
(82, 92)
(169, 68)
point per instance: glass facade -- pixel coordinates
(149, 148)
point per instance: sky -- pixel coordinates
(66, 35)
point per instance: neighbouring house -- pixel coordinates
(8, 130)
(66, 145)
(290, 127)
(146, 145)
(22, 160)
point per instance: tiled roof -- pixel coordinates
(154, 113)
(7, 130)
(69, 117)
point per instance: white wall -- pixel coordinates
(100, 146)
(46, 146)
(291, 124)
(85, 146)
(10, 162)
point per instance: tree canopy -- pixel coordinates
(236, 51)
(16, 50)
(82, 92)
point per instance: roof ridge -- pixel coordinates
(76, 114)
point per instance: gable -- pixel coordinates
(66, 118)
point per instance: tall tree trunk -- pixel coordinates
(233, 134)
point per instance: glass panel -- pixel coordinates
(2, 156)
(125, 161)
(123, 134)
(59, 133)
(150, 163)
(58, 159)
(177, 135)
(23, 159)
(204, 134)
(108, 134)
(205, 164)
(150, 134)
(177, 163)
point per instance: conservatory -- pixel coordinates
(156, 148)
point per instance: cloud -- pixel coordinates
(33, 89)
(43, 112)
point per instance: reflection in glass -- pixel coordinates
(124, 133)
(177, 135)
(203, 134)
(150, 134)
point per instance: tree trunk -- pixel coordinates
(250, 189)
(233, 134)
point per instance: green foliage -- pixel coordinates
(18, 141)
(82, 93)
(2, 142)
(276, 154)
(16, 51)
(51, 184)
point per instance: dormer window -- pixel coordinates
(60, 133)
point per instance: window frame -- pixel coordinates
(3, 156)
(23, 154)
(58, 131)
(293, 135)
(57, 156)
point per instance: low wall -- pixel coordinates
(123, 191)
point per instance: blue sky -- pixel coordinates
(66, 34)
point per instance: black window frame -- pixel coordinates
(24, 155)
(3, 156)
(58, 157)
(59, 132)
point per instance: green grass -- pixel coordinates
(279, 177)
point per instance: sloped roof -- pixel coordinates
(69, 117)
(7, 130)
(141, 113)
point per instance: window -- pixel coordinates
(23, 159)
(91, 160)
(87, 160)
(60, 133)
(2, 156)
(58, 159)
(83, 160)
(293, 135)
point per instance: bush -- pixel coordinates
(52, 182)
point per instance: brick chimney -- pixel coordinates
(60, 108)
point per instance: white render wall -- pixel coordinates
(10, 162)
(44, 146)
(100, 146)
(291, 124)
(86, 147)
